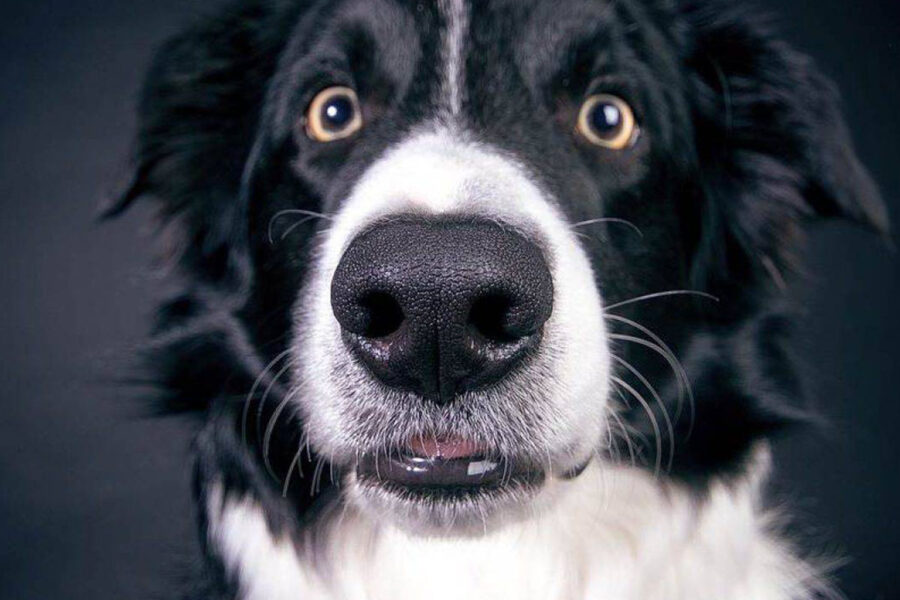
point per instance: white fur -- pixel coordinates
(266, 567)
(456, 15)
(615, 534)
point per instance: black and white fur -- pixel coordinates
(469, 111)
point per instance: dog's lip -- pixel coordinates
(445, 464)
(447, 448)
(443, 474)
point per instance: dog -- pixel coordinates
(488, 299)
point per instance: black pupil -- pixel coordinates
(337, 112)
(606, 118)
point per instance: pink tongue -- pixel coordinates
(430, 447)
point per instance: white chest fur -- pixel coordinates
(616, 535)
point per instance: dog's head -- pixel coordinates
(458, 250)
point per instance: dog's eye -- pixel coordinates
(333, 114)
(607, 121)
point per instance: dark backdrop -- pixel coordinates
(94, 500)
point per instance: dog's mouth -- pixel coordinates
(446, 466)
(452, 485)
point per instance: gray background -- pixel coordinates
(94, 498)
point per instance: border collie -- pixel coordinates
(487, 299)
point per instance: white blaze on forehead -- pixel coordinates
(456, 17)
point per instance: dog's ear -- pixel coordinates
(773, 148)
(198, 114)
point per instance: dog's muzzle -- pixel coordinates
(438, 308)
(451, 349)
(441, 307)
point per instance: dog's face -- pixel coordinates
(450, 349)
(439, 217)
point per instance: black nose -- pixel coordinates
(443, 306)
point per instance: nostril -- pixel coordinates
(383, 313)
(490, 317)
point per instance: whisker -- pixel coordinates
(633, 432)
(252, 392)
(612, 449)
(684, 383)
(317, 476)
(507, 473)
(622, 397)
(625, 436)
(662, 295)
(345, 508)
(290, 471)
(676, 367)
(265, 396)
(292, 227)
(270, 429)
(309, 452)
(627, 223)
(671, 430)
(331, 468)
(308, 214)
(654, 423)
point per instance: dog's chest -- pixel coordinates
(618, 538)
(402, 569)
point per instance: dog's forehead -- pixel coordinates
(496, 72)
(428, 39)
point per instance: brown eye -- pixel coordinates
(608, 121)
(333, 114)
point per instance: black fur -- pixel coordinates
(744, 144)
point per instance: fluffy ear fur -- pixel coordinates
(773, 148)
(198, 114)
(773, 153)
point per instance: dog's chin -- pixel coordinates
(446, 511)
(467, 496)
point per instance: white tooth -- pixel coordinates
(481, 467)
